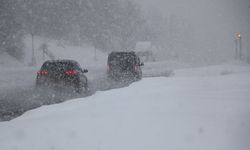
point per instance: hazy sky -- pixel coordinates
(205, 11)
(215, 21)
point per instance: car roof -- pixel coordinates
(61, 61)
(122, 52)
(114, 54)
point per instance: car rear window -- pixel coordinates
(121, 58)
(60, 66)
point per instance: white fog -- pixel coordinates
(124, 74)
(212, 25)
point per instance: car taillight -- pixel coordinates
(109, 68)
(71, 72)
(42, 73)
(136, 68)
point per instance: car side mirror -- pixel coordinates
(85, 70)
(141, 64)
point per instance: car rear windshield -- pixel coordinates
(60, 66)
(121, 58)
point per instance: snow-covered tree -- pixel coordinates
(106, 24)
(11, 29)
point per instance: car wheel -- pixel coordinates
(82, 89)
(39, 85)
(138, 76)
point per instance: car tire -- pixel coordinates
(82, 89)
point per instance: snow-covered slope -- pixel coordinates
(179, 113)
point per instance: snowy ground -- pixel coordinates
(196, 109)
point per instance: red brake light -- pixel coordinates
(109, 68)
(136, 68)
(42, 73)
(71, 72)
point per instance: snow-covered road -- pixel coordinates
(18, 93)
(203, 109)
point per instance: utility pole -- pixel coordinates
(238, 47)
(33, 60)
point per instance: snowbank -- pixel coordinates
(178, 113)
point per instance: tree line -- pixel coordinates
(105, 24)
